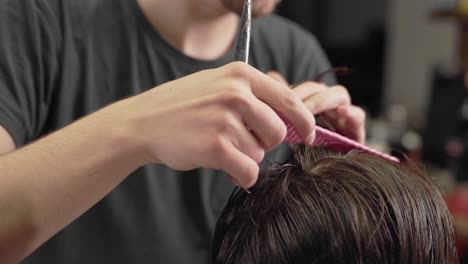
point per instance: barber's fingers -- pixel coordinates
(349, 121)
(245, 141)
(264, 123)
(280, 98)
(335, 103)
(354, 124)
(329, 99)
(306, 90)
(239, 166)
(277, 77)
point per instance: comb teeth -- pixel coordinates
(327, 138)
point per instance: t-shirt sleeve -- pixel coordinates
(28, 61)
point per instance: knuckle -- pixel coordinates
(341, 88)
(310, 127)
(218, 147)
(221, 117)
(315, 85)
(277, 77)
(235, 96)
(258, 155)
(230, 92)
(343, 91)
(238, 70)
(250, 172)
(282, 132)
(292, 102)
(291, 99)
(362, 113)
(278, 135)
(226, 124)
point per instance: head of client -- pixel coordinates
(324, 207)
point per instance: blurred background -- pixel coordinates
(410, 62)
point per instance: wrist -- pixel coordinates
(128, 133)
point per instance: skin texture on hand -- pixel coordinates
(220, 119)
(334, 103)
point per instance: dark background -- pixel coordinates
(364, 54)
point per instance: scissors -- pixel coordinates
(243, 37)
(243, 45)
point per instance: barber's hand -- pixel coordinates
(334, 103)
(221, 119)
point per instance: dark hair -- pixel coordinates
(324, 207)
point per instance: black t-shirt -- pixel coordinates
(62, 59)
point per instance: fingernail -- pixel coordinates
(311, 138)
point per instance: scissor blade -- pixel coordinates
(243, 38)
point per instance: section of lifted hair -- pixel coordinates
(326, 207)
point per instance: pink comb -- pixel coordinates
(327, 138)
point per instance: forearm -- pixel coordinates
(48, 184)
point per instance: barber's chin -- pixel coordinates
(259, 7)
